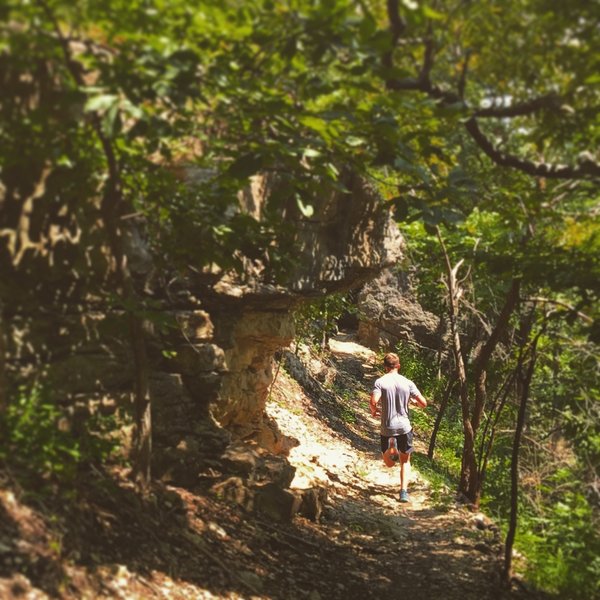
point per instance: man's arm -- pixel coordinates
(373, 402)
(419, 400)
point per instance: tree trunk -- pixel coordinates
(142, 437)
(469, 483)
(489, 432)
(142, 440)
(469, 475)
(523, 384)
(438, 419)
(468, 472)
(3, 381)
(112, 205)
(480, 366)
(484, 355)
(440, 353)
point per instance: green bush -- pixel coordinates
(557, 531)
(563, 548)
(39, 440)
(420, 367)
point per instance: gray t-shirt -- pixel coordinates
(395, 391)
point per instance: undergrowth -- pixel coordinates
(42, 443)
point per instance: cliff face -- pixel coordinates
(390, 313)
(347, 241)
(210, 341)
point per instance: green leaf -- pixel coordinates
(332, 171)
(310, 153)
(354, 141)
(111, 121)
(100, 103)
(306, 209)
(314, 123)
(430, 13)
(135, 112)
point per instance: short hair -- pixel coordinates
(391, 360)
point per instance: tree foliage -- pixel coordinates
(478, 118)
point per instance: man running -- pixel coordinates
(391, 396)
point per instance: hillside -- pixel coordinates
(106, 542)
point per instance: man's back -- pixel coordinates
(396, 391)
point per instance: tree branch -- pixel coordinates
(462, 82)
(427, 60)
(512, 298)
(584, 170)
(566, 305)
(522, 109)
(397, 27)
(423, 84)
(587, 168)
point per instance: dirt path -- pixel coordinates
(424, 547)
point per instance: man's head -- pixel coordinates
(391, 361)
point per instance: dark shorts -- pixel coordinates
(404, 441)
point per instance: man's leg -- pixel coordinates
(387, 457)
(390, 457)
(406, 448)
(404, 471)
(389, 452)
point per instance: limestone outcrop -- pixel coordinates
(388, 313)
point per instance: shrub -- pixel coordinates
(39, 440)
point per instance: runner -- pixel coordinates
(390, 398)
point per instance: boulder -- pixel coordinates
(276, 503)
(312, 503)
(389, 313)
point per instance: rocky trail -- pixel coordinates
(431, 547)
(191, 544)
